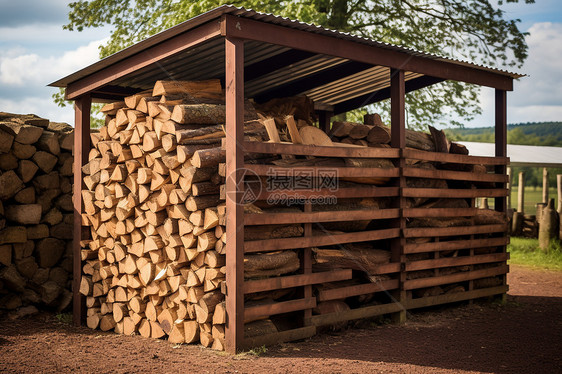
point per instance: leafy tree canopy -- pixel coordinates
(474, 30)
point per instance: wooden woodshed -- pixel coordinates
(264, 57)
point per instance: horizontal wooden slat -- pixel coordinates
(453, 193)
(453, 231)
(455, 297)
(454, 175)
(454, 278)
(279, 337)
(360, 289)
(253, 312)
(278, 283)
(455, 261)
(387, 268)
(454, 244)
(320, 151)
(439, 212)
(269, 245)
(348, 315)
(340, 193)
(454, 158)
(314, 217)
(339, 172)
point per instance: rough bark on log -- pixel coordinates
(350, 257)
(270, 264)
(207, 114)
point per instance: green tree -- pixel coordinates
(468, 29)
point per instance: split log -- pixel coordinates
(362, 259)
(207, 114)
(270, 264)
(195, 88)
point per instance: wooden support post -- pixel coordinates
(234, 55)
(324, 118)
(500, 203)
(398, 109)
(398, 140)
(82, 107)
(545, 185)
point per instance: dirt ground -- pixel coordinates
(523, 336)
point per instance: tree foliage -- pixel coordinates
(539, 133)
(474, 30)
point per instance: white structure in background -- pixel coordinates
(521, 155)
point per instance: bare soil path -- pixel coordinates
(524, 336)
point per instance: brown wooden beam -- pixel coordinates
(82, 107)
(261, 31)
(142, 59)
(234, 51)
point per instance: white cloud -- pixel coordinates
(32, 69)
(538, 96)
(543, 85)
(24, 78)
(41, 105)
(535, 113)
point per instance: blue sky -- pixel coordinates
(35, 51)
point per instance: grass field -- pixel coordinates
(532, 197)
(524, 251)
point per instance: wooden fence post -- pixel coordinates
(559, 209)
(559, 186)
(509, 182)
(521, 193)
(517, 223)
(545, 186)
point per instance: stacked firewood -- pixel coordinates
(35, 212)
(155, 262)
(374, 133)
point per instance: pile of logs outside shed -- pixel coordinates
(154, 200)
(36, 213)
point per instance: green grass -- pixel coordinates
(64, 317)
(526, 252)
(532, 197)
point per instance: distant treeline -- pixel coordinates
(530, 133)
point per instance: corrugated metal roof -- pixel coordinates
(287, 22)
(205, 61)
(520, 155)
